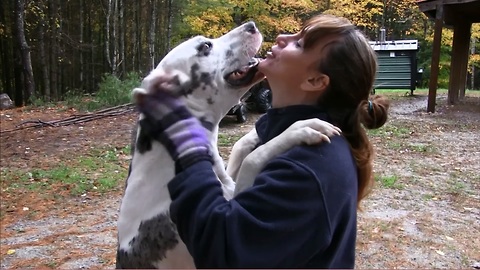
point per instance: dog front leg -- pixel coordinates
(240, 151)
(311, 131)
(228, 185)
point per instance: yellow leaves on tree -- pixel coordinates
(211, 22)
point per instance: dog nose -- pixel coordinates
(250, 27)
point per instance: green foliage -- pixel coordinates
(112, 91)
(474, 60)
(424, 61)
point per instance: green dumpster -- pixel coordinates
(397, 64)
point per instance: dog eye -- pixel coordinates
(204, 48)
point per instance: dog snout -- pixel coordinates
(251, 28)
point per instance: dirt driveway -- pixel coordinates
(423, 213)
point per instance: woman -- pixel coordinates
(301, 211)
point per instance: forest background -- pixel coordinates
(52, 50)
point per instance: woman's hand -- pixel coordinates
(168, 120)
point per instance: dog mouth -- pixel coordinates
(243, 75)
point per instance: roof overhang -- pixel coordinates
(453, 10)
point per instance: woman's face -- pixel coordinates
(288, 65)
(286, 60)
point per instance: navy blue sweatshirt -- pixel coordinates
(299, 213)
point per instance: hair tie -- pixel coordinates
(370, 106)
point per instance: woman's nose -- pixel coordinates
(282, 40)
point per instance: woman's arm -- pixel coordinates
(280, 222)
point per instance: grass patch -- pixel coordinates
(390, 131)
(225, 140)
(456, 186)
(422, 148)
(428, 197)
(389, 181)
(97, 171)
(406, 92)
(423, 169)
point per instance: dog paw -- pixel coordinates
(313, 131)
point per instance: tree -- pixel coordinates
(57, 46)
(7, 81)
(474, 59)
(152, 32)
(26, 84)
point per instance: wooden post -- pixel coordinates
(458, 64)
(464, 65)
(434, 66)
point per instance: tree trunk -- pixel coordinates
(25, 59)
(115, 39)
(6, 51)
(91, 67)
(122, 36)
(169, 24)
(151, 36)
(53, 10)
(17, 73)
(138, 36)
(472, 52)
(81, 60)
(43, 60)
(62, 70)
(107, 34)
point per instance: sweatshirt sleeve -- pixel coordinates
(267, 226)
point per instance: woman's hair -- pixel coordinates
(351, 64)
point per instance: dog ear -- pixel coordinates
(176, 82)
(138, 95)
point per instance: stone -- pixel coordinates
(5, 102)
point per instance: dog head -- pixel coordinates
(211, 74)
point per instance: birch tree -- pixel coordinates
(151, 35)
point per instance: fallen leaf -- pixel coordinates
(10, 251)
(440, 252)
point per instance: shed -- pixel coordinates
(458, 14)
(397, 64)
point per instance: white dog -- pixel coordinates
(218, 71)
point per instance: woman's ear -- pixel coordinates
(319, 82)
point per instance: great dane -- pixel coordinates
(212, 75)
